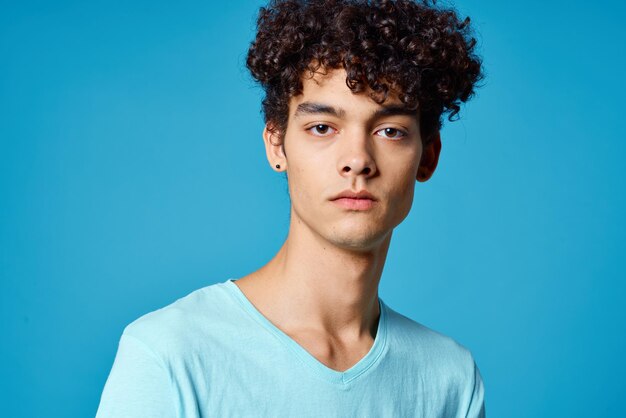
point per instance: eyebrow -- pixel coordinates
(312, 108)
(395, 110)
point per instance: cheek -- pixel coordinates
(403, 190)
(297, 186)
(405, 195)
(307, 171)
(301, 181)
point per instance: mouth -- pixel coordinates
(361, 200)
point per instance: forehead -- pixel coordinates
(329, 86)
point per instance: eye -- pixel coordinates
(320, 130)
(391, 133)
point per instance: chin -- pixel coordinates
(363, 241)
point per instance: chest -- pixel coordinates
(280, 384)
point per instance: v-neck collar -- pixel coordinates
(320, 369)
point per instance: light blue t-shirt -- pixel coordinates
(213, 354)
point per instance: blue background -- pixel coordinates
(132, 172)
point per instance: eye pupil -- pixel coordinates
(322, 129)
(390, 131)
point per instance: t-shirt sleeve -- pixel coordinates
(138, 385)
(476, 407)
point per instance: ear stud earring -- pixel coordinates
(278, 166)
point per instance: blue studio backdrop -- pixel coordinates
(132, 172)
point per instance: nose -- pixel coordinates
(356, 158)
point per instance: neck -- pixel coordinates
(316, 285)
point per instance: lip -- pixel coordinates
(348, 199)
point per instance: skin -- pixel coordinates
(321, 288)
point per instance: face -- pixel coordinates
(351, 163)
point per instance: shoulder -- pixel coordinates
(441, 354)
(446, 369)
(179, 326)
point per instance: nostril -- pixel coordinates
(366, 170)
(346, 169)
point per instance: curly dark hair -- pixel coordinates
(420, 51)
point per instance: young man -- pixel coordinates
(354, 95)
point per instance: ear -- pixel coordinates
(274, 148)
(430, 158)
